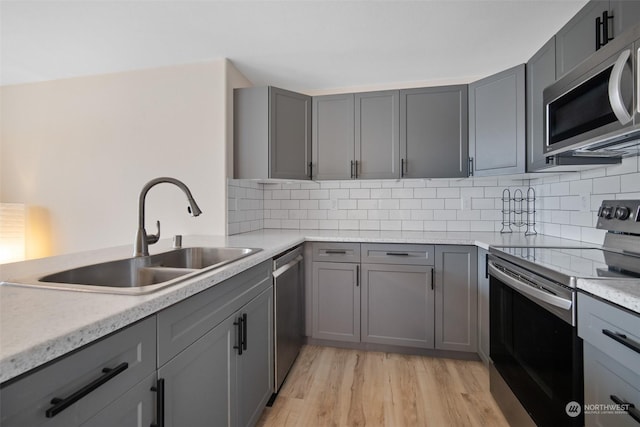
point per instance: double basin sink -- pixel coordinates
(141, 275)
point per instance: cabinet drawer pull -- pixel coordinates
(159, 388)
(622, 339)
(238, 347)
(357, 275)
(244, 331)
(629, 407)
(335, 252)
(397, 254)
(352, 174)
(433, 276)
(60, 404)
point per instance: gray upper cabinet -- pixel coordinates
(456, 298)
(433, 132)
(272, 134)
(541, 72)
(356, 136)
(577, 40)
(333, 136)
(497, 123)
(377, 146)
(626, 14)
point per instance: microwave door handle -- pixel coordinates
(615, 89)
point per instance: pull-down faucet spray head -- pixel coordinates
(141, 246)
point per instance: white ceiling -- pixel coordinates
(301, 45)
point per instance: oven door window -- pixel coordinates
(538, 355)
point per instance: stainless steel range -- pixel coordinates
(536, 353)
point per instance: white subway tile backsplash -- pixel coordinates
(565, 206)
(448, 193)
(609, 184)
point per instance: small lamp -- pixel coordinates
(12, 232)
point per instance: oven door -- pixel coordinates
(537, 353)
(599, 103)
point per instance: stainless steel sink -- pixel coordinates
(140, 275)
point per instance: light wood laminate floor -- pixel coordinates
(339, 387)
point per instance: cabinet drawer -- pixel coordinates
(606, 382)
(26, 401)
(397, 254)
(606, 326)
(336, 252)
(182, 324)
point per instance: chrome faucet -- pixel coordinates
(143, 240)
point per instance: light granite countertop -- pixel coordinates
(38, 325)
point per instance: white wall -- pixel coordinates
(81, 149)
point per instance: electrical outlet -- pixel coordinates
(585, 203)
(465, 203)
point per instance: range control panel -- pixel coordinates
(620, 215)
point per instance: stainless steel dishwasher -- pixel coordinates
(288, 289)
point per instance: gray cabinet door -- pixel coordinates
(497, 123)
(333, 136)
(289, 134)
(541, 72)
(433, 132)
(377, 134)
(397, 305)
(135, 408)
(577, 39)
(626, 14)
(200, 382)
(271, 134)
(456, 298)
(483, 306)
(25, 402)
(605, 378)
(336, 301)
(255, 364)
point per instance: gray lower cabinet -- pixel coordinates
(255, 364)
(377, 134)
(433, 132)
(123, 363)
(336, 301)
(497, 123)
(397, 305)
(456, 298)
(333, 136)
(215, 352)
(135, 408)
(272, 134)
(200, 383)
(611, 362)
(483, 307)
(541, 72)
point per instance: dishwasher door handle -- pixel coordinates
(279, 272)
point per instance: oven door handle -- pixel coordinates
(615, 89)
(527, 289)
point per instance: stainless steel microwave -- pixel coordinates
(594, 110)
